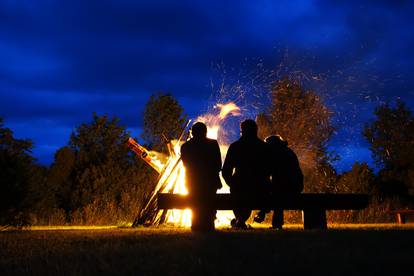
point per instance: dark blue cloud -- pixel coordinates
(62, 60)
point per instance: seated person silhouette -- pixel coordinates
(246, 170)
(287, 177)
(202, 161)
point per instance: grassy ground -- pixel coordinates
(342, 250)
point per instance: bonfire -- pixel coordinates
(172, 172)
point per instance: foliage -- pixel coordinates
(320, 179)
(60, 177)
(302, 119)
(93, 180)
(15, 171)
(391, 138)
(383, 197)
(379, 210)
(360, 179)
(99, 142)
(105, 171)
(164, 120)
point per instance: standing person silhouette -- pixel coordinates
(287, 177)
(202, 161)
(246, 169)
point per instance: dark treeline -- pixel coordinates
(95, 179)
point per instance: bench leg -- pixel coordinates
(314, 219)
(400, 218)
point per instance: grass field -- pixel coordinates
(341, 250)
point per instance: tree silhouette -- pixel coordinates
(360, 179)
(164, 119)
(60, 179)
(104, 167)
(302, 118)
(391, 138)
(96, 179)
(15, 171)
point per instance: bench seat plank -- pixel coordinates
(297, 202)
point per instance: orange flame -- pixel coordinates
(229, 108)
(175, 176)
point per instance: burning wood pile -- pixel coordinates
(172, 172)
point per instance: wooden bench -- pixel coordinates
(402, 214)
(314, 206)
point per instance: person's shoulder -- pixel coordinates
(186, 144)
(290, 151)
(262, 143)
(211, 141)
(235, 144)
(289, 154)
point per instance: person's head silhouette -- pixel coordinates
(276, 140)
(248, 128)
(199, 130)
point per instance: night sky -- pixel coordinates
(60, 61)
